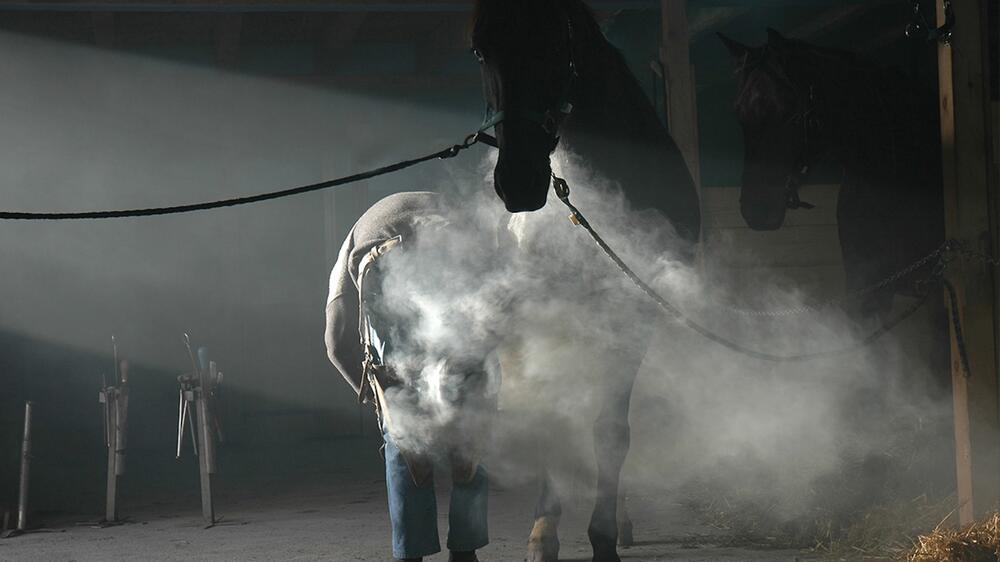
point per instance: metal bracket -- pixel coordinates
(919, 28)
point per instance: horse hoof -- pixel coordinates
(606, 556)
(605, 551)
(545, 549)
(543, 543)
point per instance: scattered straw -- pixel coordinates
(979, 542)
(885, 531)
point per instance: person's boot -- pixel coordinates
(466, 556)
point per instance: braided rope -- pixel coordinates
(449, 152)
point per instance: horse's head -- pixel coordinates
(525, 49)
(777, 110)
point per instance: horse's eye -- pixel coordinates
(479, 55)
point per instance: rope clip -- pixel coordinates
(561, 188)
(952, 250)
(454, 150)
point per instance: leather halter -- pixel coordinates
(549, 120)
(794, 180)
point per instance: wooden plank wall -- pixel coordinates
(681, 98)
(804, 254)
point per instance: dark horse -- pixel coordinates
(551, 78)
(799, 103)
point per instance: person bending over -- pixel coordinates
(433, 407)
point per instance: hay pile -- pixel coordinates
(980, 542)
(886, 531)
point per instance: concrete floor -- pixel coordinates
(345, 519)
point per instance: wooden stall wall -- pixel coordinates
(804, 254)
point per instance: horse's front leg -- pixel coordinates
(611, 443)
(543, 543)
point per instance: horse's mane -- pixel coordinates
(758, 91)
(583, 18)
(597, 60)
(798, 65)
(613, 121)
(613, 70)
(795, 66)
(585, 26)
(876, 104)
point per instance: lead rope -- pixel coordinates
(446, 153)
(562, 190)
(956, 324)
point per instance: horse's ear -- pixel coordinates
(774, 38)
(480, 6)
(737, 50)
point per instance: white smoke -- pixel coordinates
(565, 324)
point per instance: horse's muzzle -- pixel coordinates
(522, 188)
(764, 217)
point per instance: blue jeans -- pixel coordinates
(413, 510)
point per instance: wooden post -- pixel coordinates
(115, 400)
(22, 499)
(680, 99)
(966, 166)
(206, 437)
(111, 492)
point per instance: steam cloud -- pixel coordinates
(570, 324)
(697, 409)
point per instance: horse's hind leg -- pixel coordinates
(611, 442)
(543, 543)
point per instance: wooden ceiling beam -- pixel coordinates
(276, 6)
(337, 32)
(103, 24)
(713, 18)
(829, 20)
(227, 39)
